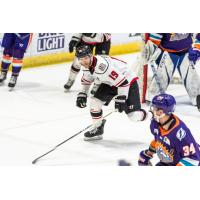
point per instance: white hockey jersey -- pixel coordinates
(111, 71)
(93, 39)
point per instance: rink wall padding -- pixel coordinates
(52, 48)
(61, 57)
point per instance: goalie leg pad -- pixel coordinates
(150, 52)
(190, 79)
(165, 71)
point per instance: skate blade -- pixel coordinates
(99, 137)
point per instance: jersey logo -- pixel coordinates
(156, 131)
(166, 140)
(163, 153)
(102, 67)
(160, 98)
(178, 36)
(131, 107)
(180, 134)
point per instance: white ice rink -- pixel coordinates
(38, 115)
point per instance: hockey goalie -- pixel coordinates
(167, 52)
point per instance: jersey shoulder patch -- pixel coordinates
(181, 133)
(102, 66)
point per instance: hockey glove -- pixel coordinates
(120, 103)
(144, 159)
(72, 44)
(194, 54)
(81, 100)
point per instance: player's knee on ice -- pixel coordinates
(139, 115)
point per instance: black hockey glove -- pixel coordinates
(81, 100)
(120, 103)
(72, 44)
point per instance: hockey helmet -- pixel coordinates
(83, 51)
(165, 102)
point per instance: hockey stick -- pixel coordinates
(153, 64)
(34, 161)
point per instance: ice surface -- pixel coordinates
(38, 115)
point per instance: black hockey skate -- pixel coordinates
(12, 82)
(69, 84)
(3, 77)
(198, 102)
(96, 133)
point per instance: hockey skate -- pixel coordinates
(69, 84)
(96, 133)
(198, 102)
(3, 77)
(12, 82)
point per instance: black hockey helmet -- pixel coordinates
(83, 51)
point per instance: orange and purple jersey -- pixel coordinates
(172, 42)
(175, 146)
(17, 40)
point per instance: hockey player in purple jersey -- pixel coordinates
(168, 52)
(173, 141)
(15, 45)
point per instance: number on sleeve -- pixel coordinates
(113, 75)
(187, 150)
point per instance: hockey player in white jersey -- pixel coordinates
(101, 42)
(166, 52)
(114, 79)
